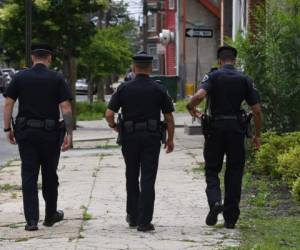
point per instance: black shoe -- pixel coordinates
(132, 223)
(146, 228)
(58, 216)
(212, 217)
(31, 226)
(229, 225)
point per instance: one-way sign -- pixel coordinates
(203, 33)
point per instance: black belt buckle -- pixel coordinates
(140, 126)
(35, 124)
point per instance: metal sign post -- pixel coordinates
(198, 33)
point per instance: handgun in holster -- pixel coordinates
(163, 132)
(206, 119)
(62, 132)
(120, 122)
(13, 124)
(245, 120)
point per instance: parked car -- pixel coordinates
(6, 76)
(82, 86)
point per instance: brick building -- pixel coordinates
(243, 18)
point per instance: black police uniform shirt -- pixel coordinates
(227, 89)
(141, 99)
(39, 92)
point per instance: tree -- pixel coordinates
(64, 24)
(271, 57)
(109, 53)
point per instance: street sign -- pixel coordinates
(202, 33)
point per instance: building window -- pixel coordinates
(152, 22)
(172, 4)
(152, 50)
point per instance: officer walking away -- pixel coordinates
(142, 100)
(41, 93)
(225, 90)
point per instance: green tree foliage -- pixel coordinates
(270, 55)
(109, 52)
(64, 24)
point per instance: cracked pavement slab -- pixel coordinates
(92, 182)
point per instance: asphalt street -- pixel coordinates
(7, 151)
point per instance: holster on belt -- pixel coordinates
(245, 121)
(163, 132)
(62, 132)
(120, 129)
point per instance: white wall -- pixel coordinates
(240, 17)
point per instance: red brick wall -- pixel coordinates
(252, 5)
(171, 48)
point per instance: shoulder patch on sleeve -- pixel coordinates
(205, 78)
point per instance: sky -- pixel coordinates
(135, 8)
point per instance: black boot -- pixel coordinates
(131, 222)
(212, 217)
(31, 226)
(229, 225)
(58, 216)
(146, 228)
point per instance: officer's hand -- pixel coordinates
(195, 113)
(67, 143)
(256, 142)
(169, 146)
(11, 137)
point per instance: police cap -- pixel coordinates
(41, 48)
(142, 57)
(225, 52)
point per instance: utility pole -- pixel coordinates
(28, 31)
(145, 24)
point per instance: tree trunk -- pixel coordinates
(70, 72)
(100, 88)
(90, 90)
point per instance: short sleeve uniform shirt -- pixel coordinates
(39, 92)
(141, 99)
(227, 89)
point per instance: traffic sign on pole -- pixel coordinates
(202, 33)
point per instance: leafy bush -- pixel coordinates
(270, 56)
(289, 165)
(266, 159)
(86, 111)
(296, 189)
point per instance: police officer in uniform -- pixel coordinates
(41, 93)
(141, 100)
(226, 89)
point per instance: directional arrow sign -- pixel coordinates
(203, 33)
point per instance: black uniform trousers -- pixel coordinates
(219, 143)
(141, 154)
(39, 149)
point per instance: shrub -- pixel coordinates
(270, 56)
(296, 189)
(266, 159)
(86, 111)
(289, 165)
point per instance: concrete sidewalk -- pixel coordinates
(92, 184)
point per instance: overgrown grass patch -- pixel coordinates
(270, 218)
(89, 112)
(9, 187)
(85, 215)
